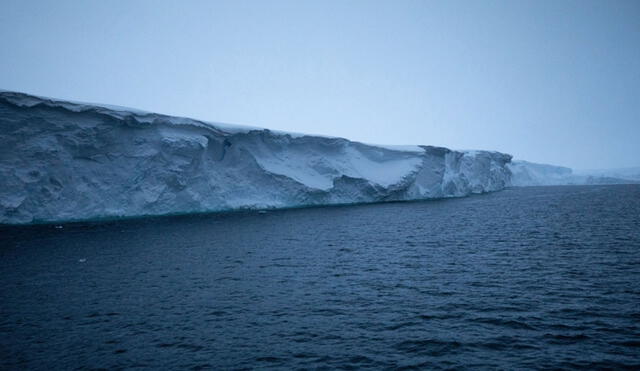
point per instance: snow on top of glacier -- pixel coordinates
(29, 100)
(398, 147)
(318, 169)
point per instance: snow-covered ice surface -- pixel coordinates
(63, 160)
(526, 173)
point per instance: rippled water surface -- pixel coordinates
(525, 278)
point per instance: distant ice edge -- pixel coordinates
(63, 161)
(526, 173)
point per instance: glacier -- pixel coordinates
(67, 161)
(525, 173)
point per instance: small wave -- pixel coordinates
(510, 323)
(562, 338)
(430, 347)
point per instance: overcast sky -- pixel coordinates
(548, 81)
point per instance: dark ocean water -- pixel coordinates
(543, 277)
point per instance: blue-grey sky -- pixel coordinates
(554, 81)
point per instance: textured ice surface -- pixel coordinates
(71, 161)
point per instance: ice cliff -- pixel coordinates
(526, 173)
(64, 161)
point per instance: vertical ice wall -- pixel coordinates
(70, 161)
